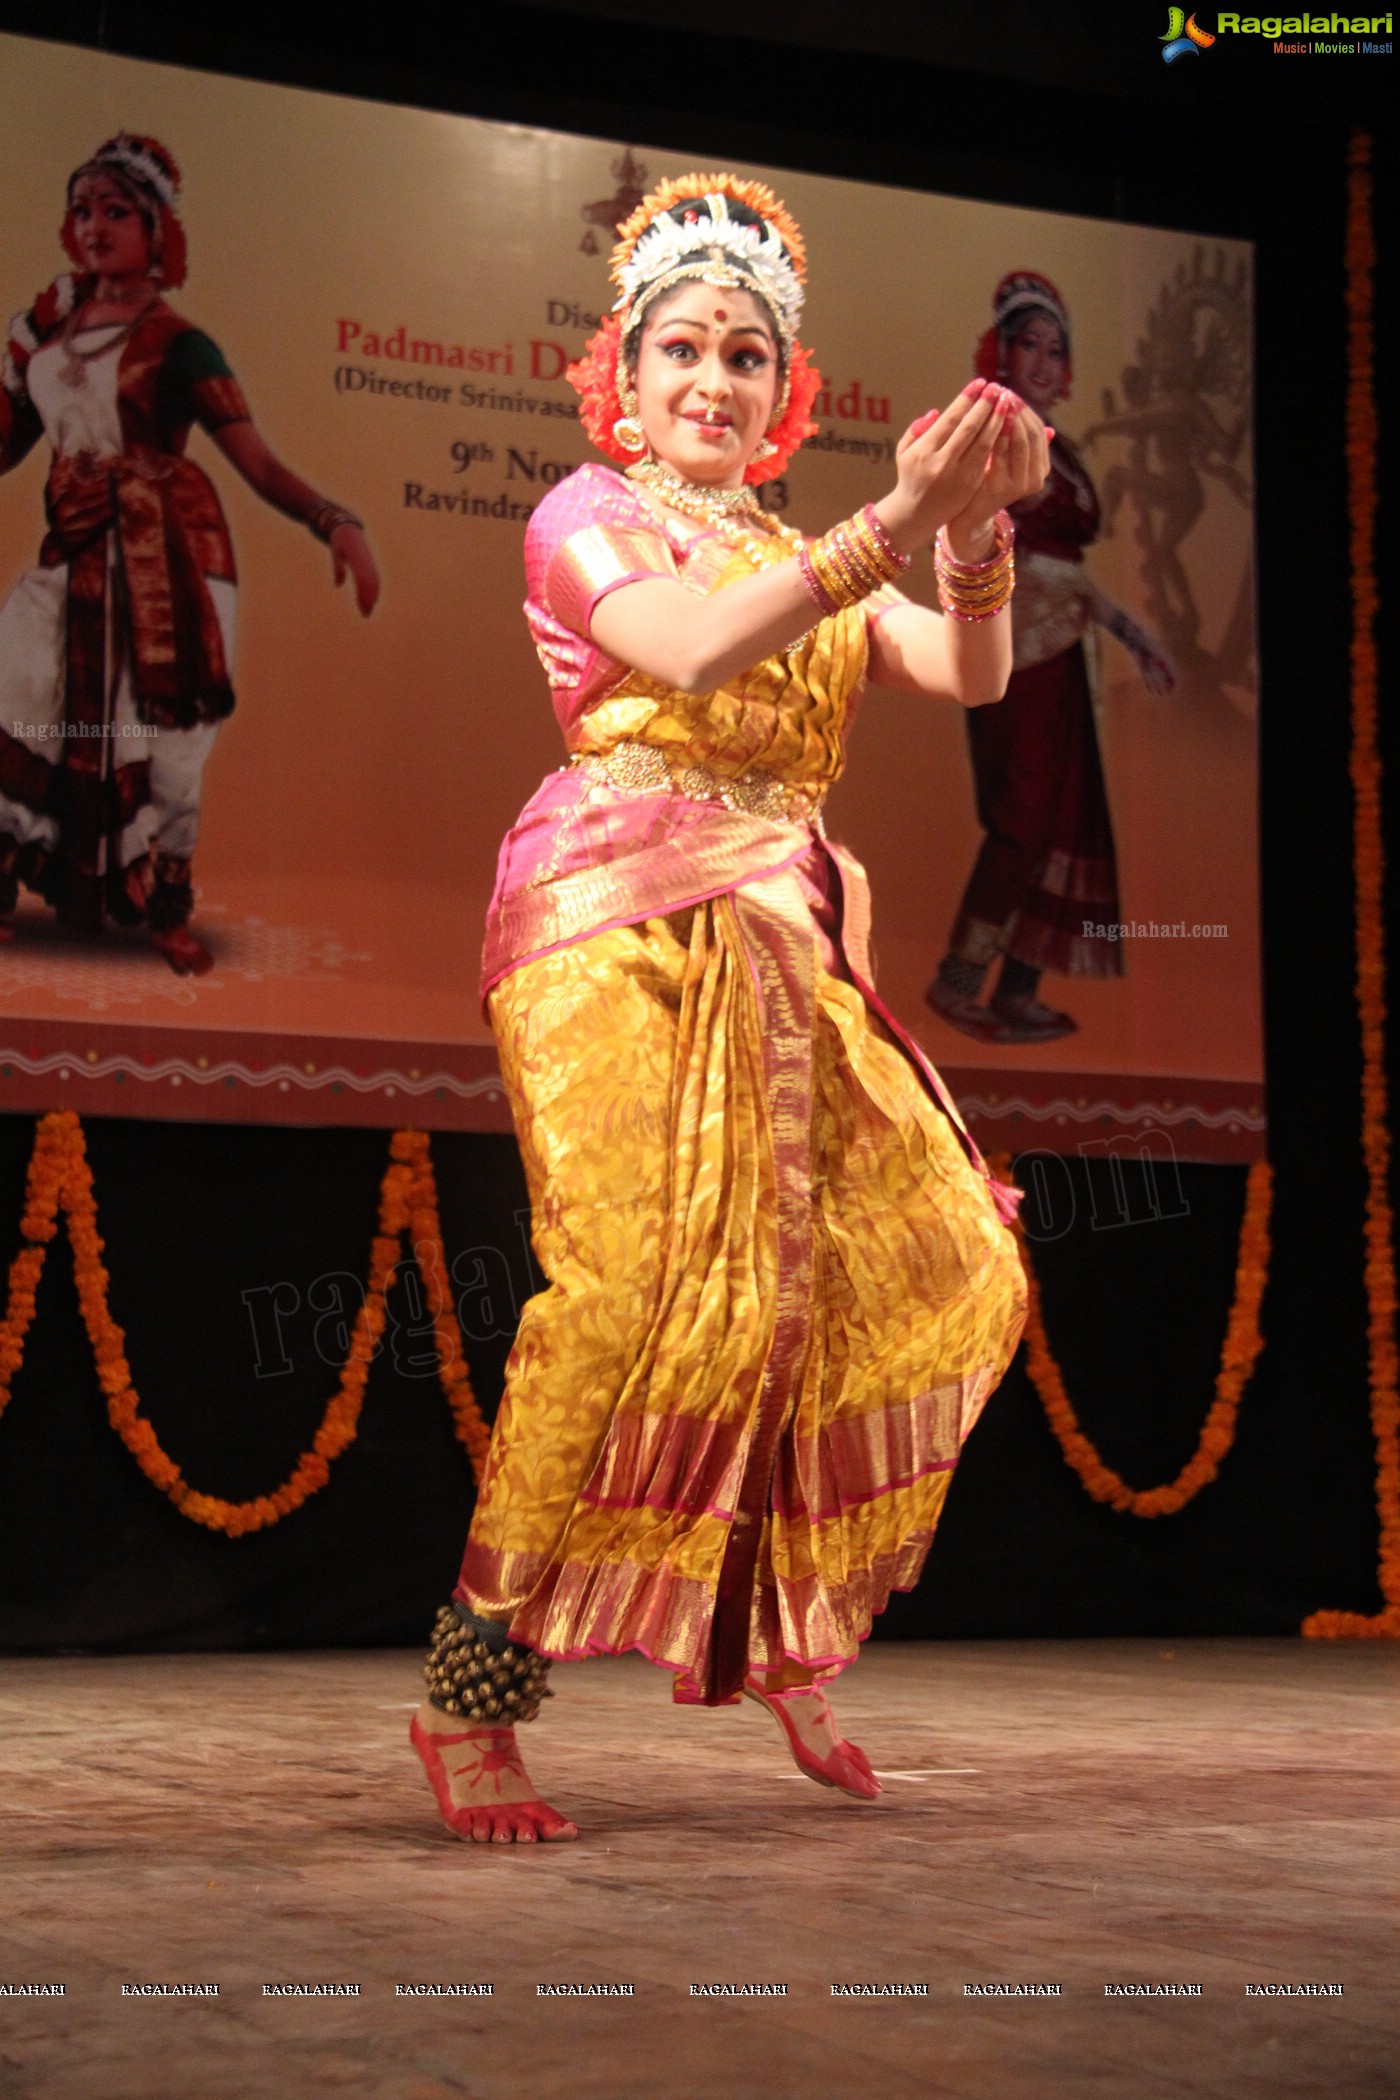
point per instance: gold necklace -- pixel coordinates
(72, 369)
(708, 506)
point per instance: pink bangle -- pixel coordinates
(826, 605)
(1003, 539)
(887, 547)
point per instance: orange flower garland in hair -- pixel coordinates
(1363, 440)
(59, 1175)
(1243, 1342)
(685, 189)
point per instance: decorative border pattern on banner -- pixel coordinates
(192, 1075)
(189, 1075)
(1218, 1120)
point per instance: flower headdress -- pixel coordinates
(1019, 292)
(684, 230)
(656, 249)
(149, 174)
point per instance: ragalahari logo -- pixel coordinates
(1183, 36)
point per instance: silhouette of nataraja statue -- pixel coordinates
(1183, 416)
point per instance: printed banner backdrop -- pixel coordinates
(397, 293)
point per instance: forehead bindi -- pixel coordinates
(97, 189)
(705, 308)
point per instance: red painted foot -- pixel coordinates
(491, 1759)
(186, 956)
(844, 1765)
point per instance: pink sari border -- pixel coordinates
(651, 909)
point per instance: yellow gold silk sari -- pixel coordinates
(779, 1288)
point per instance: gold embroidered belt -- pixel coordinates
(634, 768)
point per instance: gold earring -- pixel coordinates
(765, 448)
(628, 428)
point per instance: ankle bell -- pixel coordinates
(471, 1676)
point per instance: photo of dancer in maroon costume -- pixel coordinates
(1047, 862)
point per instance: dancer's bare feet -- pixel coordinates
(482, 1787)
(817, 1746)
(186, 956)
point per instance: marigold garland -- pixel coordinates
(1243, 1342)
(1363, 438)
(60, 1177)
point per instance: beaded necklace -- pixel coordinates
(730, 512)
(709, 506)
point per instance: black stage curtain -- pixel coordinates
(224, 1246)
(211, 1230)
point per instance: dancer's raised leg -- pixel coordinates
(819, 1749)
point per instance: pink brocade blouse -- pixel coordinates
(786, 719)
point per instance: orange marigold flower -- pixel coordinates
(59, 1175)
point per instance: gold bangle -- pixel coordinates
(975, 591)
(842, 587)
(855, 558)
(981, 602)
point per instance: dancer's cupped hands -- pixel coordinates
(958, 467)
(1018, 467)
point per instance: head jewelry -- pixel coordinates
(685, 231)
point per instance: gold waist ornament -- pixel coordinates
(635, 768)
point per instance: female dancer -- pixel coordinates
(780, 1290)
(116, 652)
(1047, 863)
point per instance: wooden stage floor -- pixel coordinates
(1222, 1814)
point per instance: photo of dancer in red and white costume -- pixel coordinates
(116, 652)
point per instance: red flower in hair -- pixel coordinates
(594, 379)
(805, 382)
